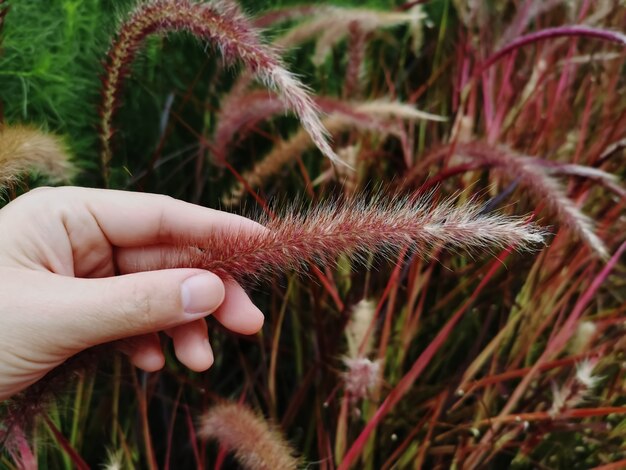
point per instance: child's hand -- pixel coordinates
(60, 251)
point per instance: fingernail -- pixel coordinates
(202, 294)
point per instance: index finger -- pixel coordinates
(130, 219)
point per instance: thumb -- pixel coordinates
(95, 311)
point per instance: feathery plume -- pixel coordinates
(280, 15)
(256, 445)
(361, 377)
(582, 338)
(25, 149)
(540, 185)
(375, 116)
(286, 151)
(114, 461)
(241, 111)
(17, 447)
(358, 327)
(348, 176)
(354, 226)
(357, 45)
(332, 24)
(238, 115)
(394, 109)
(606, 179)
(217, 23)
(576, 391)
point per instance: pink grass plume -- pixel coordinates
(256, 445)
(318, 236)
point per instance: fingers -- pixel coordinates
(95, 311)
(137, 219)
(237, 312)
(144, 351)
(154, 257)
(191, 343)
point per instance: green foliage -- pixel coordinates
(49, 67)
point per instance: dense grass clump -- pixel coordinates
(406, 324)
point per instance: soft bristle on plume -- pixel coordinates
(255, 444)
(217, 23)
(319, 235)
(25, 149)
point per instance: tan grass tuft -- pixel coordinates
(256, 444)
(358, 329)
(24, 148)
(332, 24)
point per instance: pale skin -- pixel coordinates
(67, 257)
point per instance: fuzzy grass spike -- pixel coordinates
(25, 149)
(320, 235)
(255, 444)
(332, 24)
(541, 185)
(218, 23)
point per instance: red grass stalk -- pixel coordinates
(219, 23)
(354, 226)
(76, 459)
(552, 348)
(580, 413)
(255, 444)
(418, 367)
(618, 465)
(551, 33)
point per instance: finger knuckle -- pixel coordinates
(143, 313)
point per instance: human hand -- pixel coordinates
(60, 251)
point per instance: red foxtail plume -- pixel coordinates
(540, 184)
(219, 23)
(321, 234)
